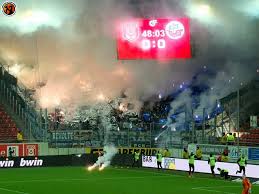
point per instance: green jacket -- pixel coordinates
(212, 161)
(136, 155)
(159, 157)
(191, 159)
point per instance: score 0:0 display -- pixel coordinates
(146, 44)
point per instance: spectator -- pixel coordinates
(222, 158)
(230, 139)
(225, 152)
(19, 137)
(223, 139)
(166, 153)
(185, 153)
(198, 155)
(219, 159)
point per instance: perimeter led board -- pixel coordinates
(153, 39)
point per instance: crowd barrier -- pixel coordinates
(200, 166)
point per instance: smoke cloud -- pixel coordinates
(66, 50)
(105, 160)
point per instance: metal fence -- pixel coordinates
(31, 121)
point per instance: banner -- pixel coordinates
(62, 136)
(21, 162)
(253, 153)
(200, 166)
(235, 152)
(19, 150)
(142, 151)
(45, 161)
(151, 161)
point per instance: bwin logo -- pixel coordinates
(36, 162)
(7, 163)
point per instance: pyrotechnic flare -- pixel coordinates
(105, 159)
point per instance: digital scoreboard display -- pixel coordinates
(153, 39)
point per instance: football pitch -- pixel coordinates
(77, 180)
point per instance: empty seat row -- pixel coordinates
(8, 129)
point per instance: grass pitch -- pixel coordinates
(76, 180)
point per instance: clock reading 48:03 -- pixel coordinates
(153, 33)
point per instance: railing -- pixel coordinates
(26, 116)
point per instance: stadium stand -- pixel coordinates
(250, 137)
(21, 108)
(8, 129)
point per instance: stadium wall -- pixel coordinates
(42, 149)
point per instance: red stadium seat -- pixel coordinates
(8, 129)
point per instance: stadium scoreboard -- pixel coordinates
(153, 39)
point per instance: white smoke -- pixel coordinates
(73, 50)
(105, 160)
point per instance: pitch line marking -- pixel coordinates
(210, 190)
(86, 179)
(12, 191)
(176, 175)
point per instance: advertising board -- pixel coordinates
(200, 166)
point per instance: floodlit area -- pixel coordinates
(129, 97)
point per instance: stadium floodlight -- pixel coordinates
(35, 17)
(202, 12)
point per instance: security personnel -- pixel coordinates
(242, 162)
(159, 160)
(230, 139)
(224, 158)
(198, 153)
(224, 173)
(136, 159)
(185, 153)
(191, 164)
(212, 163)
